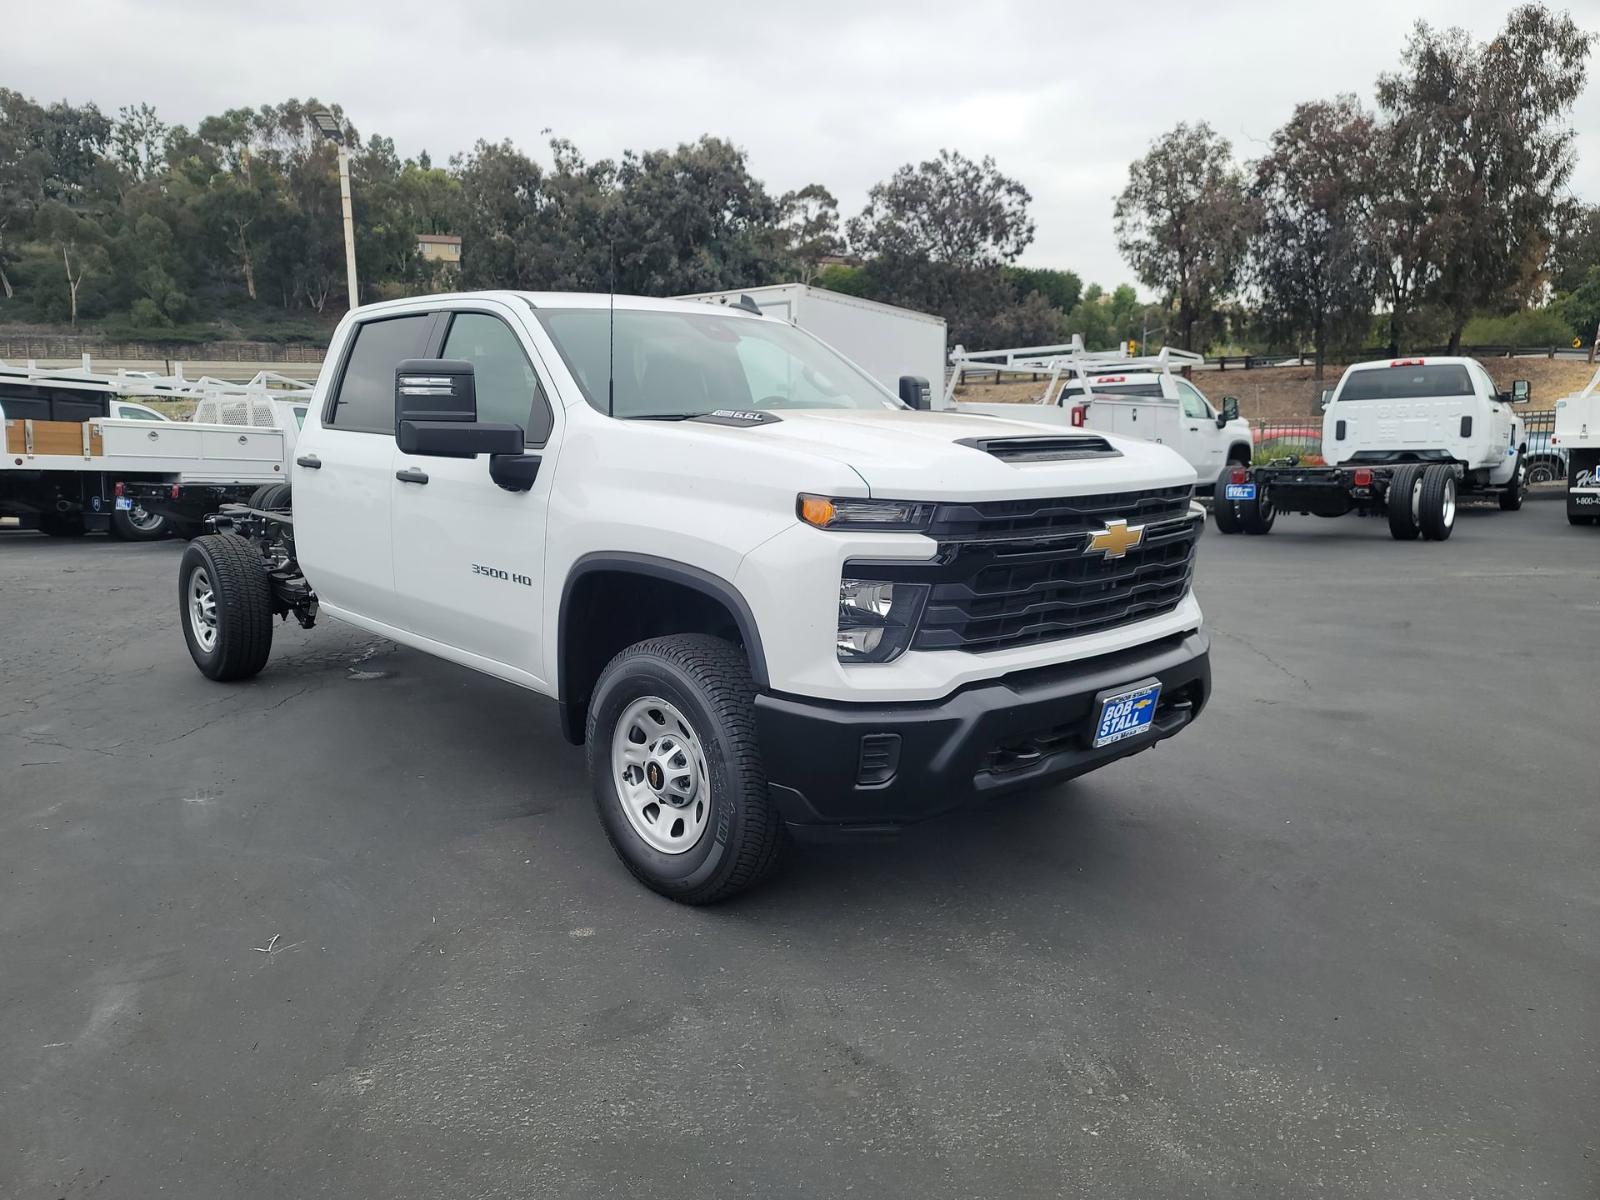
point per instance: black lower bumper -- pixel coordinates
(858, 768)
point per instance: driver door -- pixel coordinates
(468, 554)
(1201, 442)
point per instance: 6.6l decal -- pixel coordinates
(497, 573)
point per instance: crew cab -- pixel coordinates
(1402, 438)
(1140, 396)
(767, 595)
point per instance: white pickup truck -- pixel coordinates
(80, 456)
(1401, 437)
(766, 594)
(1111, 391)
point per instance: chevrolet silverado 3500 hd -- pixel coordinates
(765, 593)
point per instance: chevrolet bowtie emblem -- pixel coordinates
(1116, 539)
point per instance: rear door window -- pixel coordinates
(364, 402)
(1407, 383)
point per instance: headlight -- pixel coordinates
(893, 516)
(877, 618)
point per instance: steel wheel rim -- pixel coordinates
(1416, 501)
(1449, 503)
(1539, 473)
(203, 610)
(659, 768)
(142, 520)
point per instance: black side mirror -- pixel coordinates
(1521, 391)
(1230, 410)
(436, 412)
(915, 392)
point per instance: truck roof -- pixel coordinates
(538, 300)
(1431, 360)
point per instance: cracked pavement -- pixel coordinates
(351, 929)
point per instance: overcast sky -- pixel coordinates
(1063, 95)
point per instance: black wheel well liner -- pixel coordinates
(1249, 453)
(680, 598)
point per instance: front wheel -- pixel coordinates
(225, 605)
(1511, 494)
(678, 780)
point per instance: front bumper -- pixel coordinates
(827, 763)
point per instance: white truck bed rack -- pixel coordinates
(1069, 359)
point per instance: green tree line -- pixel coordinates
(128, 222)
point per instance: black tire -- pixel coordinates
(1511, 494)
(62, 525)
(149, 527)
(1404, 501)
(241, 600)
(1225, 510)
(708, 681)
(1438, 503)
(1544, 470)
(273, 497)
(1257, 516)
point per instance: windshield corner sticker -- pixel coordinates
(738, 417)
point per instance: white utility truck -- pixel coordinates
(1112, 391)
(1402, 437)
(763, 592)
(80, 456)
(888, 343)
(1577, 436)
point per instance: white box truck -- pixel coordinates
(886, 342)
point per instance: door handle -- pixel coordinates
(411, 476)
(309, 460)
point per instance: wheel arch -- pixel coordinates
(663, 597)
(1241, 452)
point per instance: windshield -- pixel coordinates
(675, 364)
(1406, 383)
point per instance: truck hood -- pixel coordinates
(930, 456)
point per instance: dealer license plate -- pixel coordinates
(1239, 491)
(124, 503)
(1126, 714)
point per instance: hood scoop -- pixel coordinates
(1043, 449)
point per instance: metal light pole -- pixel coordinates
(328, 127)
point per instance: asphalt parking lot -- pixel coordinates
(352, 929)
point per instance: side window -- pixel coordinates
(130, 412)
(364, 402)
(1485, 384)
(508, 389)
(1194, 404)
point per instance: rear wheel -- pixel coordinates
(1256, 516)
(139, 525)
(1404, 503)
(273, 497)
(1227, 515)
(678, 780)
(1511, 494)
(225, 604)
(1438, 503)
(1542, 470)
